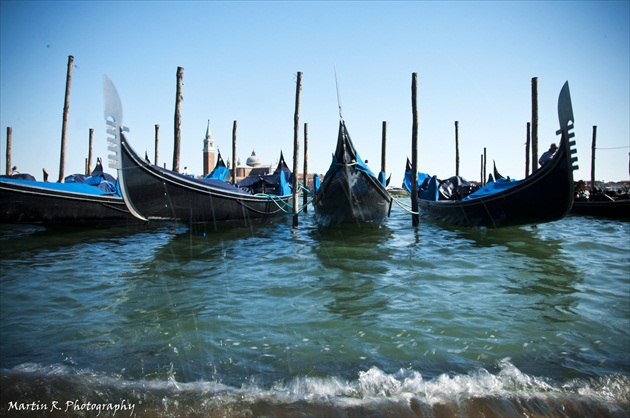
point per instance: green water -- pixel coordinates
(277, 319)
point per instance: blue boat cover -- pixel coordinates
(431, 188)
(278, 183)
(497, 186)
(82, 188)
(283, 186)
(422, 177)
(382, 179)
(220, 171)
(316, 182)
(98, 183)
(98, 178)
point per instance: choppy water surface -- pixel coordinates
(397, 321)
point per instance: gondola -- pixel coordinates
(605, 207)
(546, 195)
(153, 193)
(599, 204)
(612, 209)
(350, 193)
(79, 201)
(596, 202)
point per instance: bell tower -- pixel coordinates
(208, 151)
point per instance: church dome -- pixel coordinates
(253, 160)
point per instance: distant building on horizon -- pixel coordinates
(253, 164)
(208, 152)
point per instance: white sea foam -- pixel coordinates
(371, 384)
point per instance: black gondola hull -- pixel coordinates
(617, 209)
(35, 204)
(350, 193)
(352, 197)
(154, 193)
(545, 196)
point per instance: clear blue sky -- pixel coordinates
(475, 62)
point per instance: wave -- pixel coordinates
(55, 390)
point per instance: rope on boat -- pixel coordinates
(278, 201)
(302, 208)
(404, 206)
(282, 204)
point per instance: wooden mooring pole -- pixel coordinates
(415, 218)
(481, 171)
(457, 148)
(234, 153)
(527, 145)
(384, 151)
(64, 125)
(7, 169)
(485, 164)
(593, 159)
(296, 147)
(305, 175)
(178, 120)
(157, 130)
(89, 158)
(534, 123)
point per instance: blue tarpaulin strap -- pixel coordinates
(316, 182)
(431, 193)
(283, 187)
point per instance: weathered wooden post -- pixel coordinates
(384, 149)
(485, 163)
(89, 158)
(527, 145)
(415, 218)
(234, 153)
(481, 170)
(64, 125)
(296, 146)
(593, 159)
(305, 175)
(7, 169)
(157, 130)
(534, 123)
(457, 148)
(178, 121)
